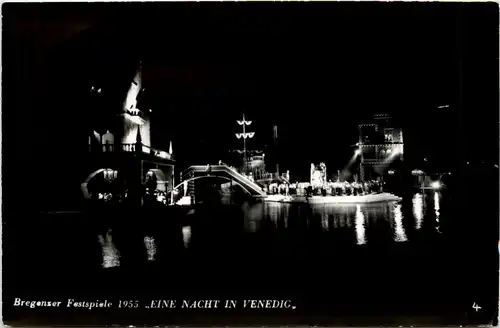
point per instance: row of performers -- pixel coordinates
(328, 189)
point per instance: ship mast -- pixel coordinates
(244, 135)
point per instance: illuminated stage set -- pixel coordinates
(125, 168)
(377, 157)
(378, 151)
(174, 154)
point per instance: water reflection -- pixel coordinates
(399, 230)
(348, 217)
(324, 221)
(286, 214)
(149, 242)
(272, 211)
(110, 254)
(360, 226)
(186, 235)
(360, 218)
(334, 216)
(252, 216)
(276, 212)
(418, 210)
(342, 219)
(437, 207)
(333, 226)
(252, 225)
(436, 203)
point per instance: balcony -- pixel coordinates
(379, 144)
(374, 161)
(135, 115)
(130, 148)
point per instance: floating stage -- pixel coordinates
(372, 198)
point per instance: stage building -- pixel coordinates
(380, 148)
(318, 176)
(122, 161)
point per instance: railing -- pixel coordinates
(264, 176)
(111, 148)
(385, 143)
(156, 152)
(135, 112)
(223, 168)
(130, 148)
(374, 160)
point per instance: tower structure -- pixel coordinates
(380, 146)
(131, 119)
(244, 135)
(126, 150)
(275, 144)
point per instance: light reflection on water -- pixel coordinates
(324, 222)
(360, 226)
(436, 203)
(437, 207)
(364, 222)
(186, 235)
(418, 210)
(340, 216)
(149, 242)
(110, 254)
(273, 211)
(357, 218)
(399, 230)
(278, 214)
(252, 216)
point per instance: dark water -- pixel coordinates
(395, 259)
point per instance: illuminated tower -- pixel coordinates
(125, 149)
(133, 120)
(244, 135)
(380, 144)
(275, 144)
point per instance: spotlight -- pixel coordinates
(436, 185)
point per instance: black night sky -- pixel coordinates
(316, 70)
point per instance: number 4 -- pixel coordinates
(476, 307)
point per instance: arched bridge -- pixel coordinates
(226, 172)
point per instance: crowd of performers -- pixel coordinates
(328, 189)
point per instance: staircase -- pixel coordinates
(225, 171)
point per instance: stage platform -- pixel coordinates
(372, 198)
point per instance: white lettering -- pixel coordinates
(163, 304)
(34, 304)
(201, 304)
(267, 304)
(88, 305)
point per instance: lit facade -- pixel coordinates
(125, 151)
(318, 175)
(380, 144)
